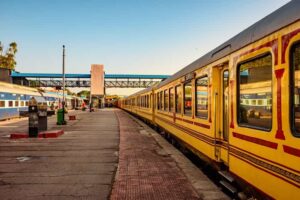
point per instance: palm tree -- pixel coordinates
(8, 60)
(1, 49)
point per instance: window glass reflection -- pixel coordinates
(166, 100)
(171, 92)
(178, 98)
(255, 93)
(202, 97)
(296, 66)
(188, 99)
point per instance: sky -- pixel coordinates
(126, 36)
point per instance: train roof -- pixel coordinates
(280, 18)
(18, 89)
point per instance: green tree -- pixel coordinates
(7, 59)
(84, 93)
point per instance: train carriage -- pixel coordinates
(14, 100)
(238, 106)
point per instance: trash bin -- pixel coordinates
(60, 117)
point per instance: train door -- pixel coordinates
(221, 101)
(224, 114)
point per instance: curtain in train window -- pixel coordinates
(296, 91)
(2, 104)
(202, 97)
(171, 104)
(178, 98)
(166, 100)
(188, 98)
(255, 93)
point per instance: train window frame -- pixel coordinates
(184, 98)
(238, 93)
(196, 101)
(292, 90)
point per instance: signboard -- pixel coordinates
(97, 79)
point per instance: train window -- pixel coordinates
(202, 97)
(161, 100)
(146, 99)
(166, 100)
(295, 83)
(22, 104)
(171, 100)
(16, 103)
(158, 104)
(26, 103)
(2, 104)
(178, 98)
(255, 83)
(10, 104)
(188, 98)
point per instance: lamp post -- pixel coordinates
(91, 92)
(64, 85)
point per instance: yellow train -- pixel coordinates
(238, 106)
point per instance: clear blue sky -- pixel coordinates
(141, 36)
(127, 36)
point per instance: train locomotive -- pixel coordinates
(238, 106)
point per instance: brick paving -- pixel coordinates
(145, 171)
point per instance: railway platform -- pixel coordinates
(106, 154)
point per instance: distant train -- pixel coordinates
(14, 100)
(238, 107)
